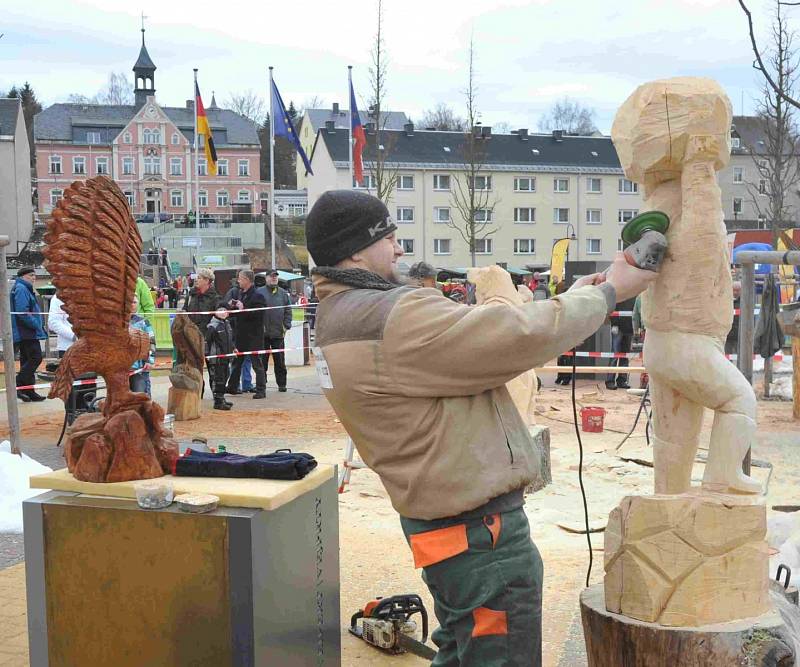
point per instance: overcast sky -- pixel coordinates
(528, 52)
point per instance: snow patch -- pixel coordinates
(781, 388)
(14, 486)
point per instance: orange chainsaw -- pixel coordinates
(386, 624)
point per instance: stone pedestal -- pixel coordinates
(687, 560)
(183, 403)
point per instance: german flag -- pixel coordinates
(205, 130)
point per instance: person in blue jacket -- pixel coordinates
(28, 330)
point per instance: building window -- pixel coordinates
(176, 198)
(441, 182)
(482, 183)
(405, 182)
(762, 221)
(131, 197)
(560, 185)
(441, 214)
(527, 184)
(222, 168)
(560, 215)
(92, 137)
(593, 246)
(367, 183)
(244, 167)
(127, 138)
(407, 245)
(152, 166)
(79, 165)
(55, 164)
(738, 174)
(762, 186)
(202, 166)
(56, 196)
(151, 137)
(405, 214)
(524, 246)
(627, 187)
(594, 216)
(202, 197)
(525, 214)
(620, 245)
(296, 209)
(175, 166)
(483, 215)
(737, 205)
(483, 246)
(736, 142)
(594, 185)
(626, 215)
(441, 246)
(175, 139)
(222, 198)
(243, 196)
(127, 166)
(101, 164)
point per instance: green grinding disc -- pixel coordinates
(649, 221)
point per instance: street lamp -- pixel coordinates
(571, 237)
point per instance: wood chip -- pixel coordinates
(579, 527)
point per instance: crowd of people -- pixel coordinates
(254, 315)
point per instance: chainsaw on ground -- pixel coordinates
(386, 624)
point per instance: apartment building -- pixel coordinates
(539, 187)
(313, 120)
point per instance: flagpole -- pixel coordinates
(271, 168)
(196, 162)
(350, 124)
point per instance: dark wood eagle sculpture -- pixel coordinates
(93, 253)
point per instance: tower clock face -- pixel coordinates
(151, 111)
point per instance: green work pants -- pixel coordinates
(485, 576)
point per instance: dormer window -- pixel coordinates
(736, 142)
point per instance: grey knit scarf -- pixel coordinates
(358, 278)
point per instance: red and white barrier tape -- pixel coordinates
(159, 312)
(76, 383)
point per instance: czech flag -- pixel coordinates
(360, 139)
(205, 130)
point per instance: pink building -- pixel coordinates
(148, 150)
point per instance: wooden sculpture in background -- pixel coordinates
(93, 253)
(688, 557)
(493, 285)
(187, 376)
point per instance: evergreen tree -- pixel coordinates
(30, 107)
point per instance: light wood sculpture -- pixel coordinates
(672, 136)
(687, 556)
(187, 376)
(493, 285)
(93, 253)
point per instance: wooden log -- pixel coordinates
(613, 640)
(184, 404)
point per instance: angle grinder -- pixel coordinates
(644, 242)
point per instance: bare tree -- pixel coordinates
(471, 195)
(776, 160)
(248, 104)
(501, 127)
(384, 177)
(79, 98)
(117, 91)
(570, 116)
(313, 102)
(442, 117)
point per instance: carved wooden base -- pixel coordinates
(130, 445)
(687, 560)
(184, 404)
(613, 640)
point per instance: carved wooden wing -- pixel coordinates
(93, 253)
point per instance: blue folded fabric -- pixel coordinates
(282, 464)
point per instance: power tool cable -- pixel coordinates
(580, 469)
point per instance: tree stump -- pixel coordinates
(613, 640)
(183, 403)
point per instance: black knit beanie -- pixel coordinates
(342, 222)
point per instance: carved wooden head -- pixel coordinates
(656, 125)
(493, 283)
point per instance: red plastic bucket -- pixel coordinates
(592, 419)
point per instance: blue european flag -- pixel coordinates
(282, 126)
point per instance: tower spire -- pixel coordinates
(144, 73)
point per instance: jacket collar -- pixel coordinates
(25, 284)
(325, 287)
